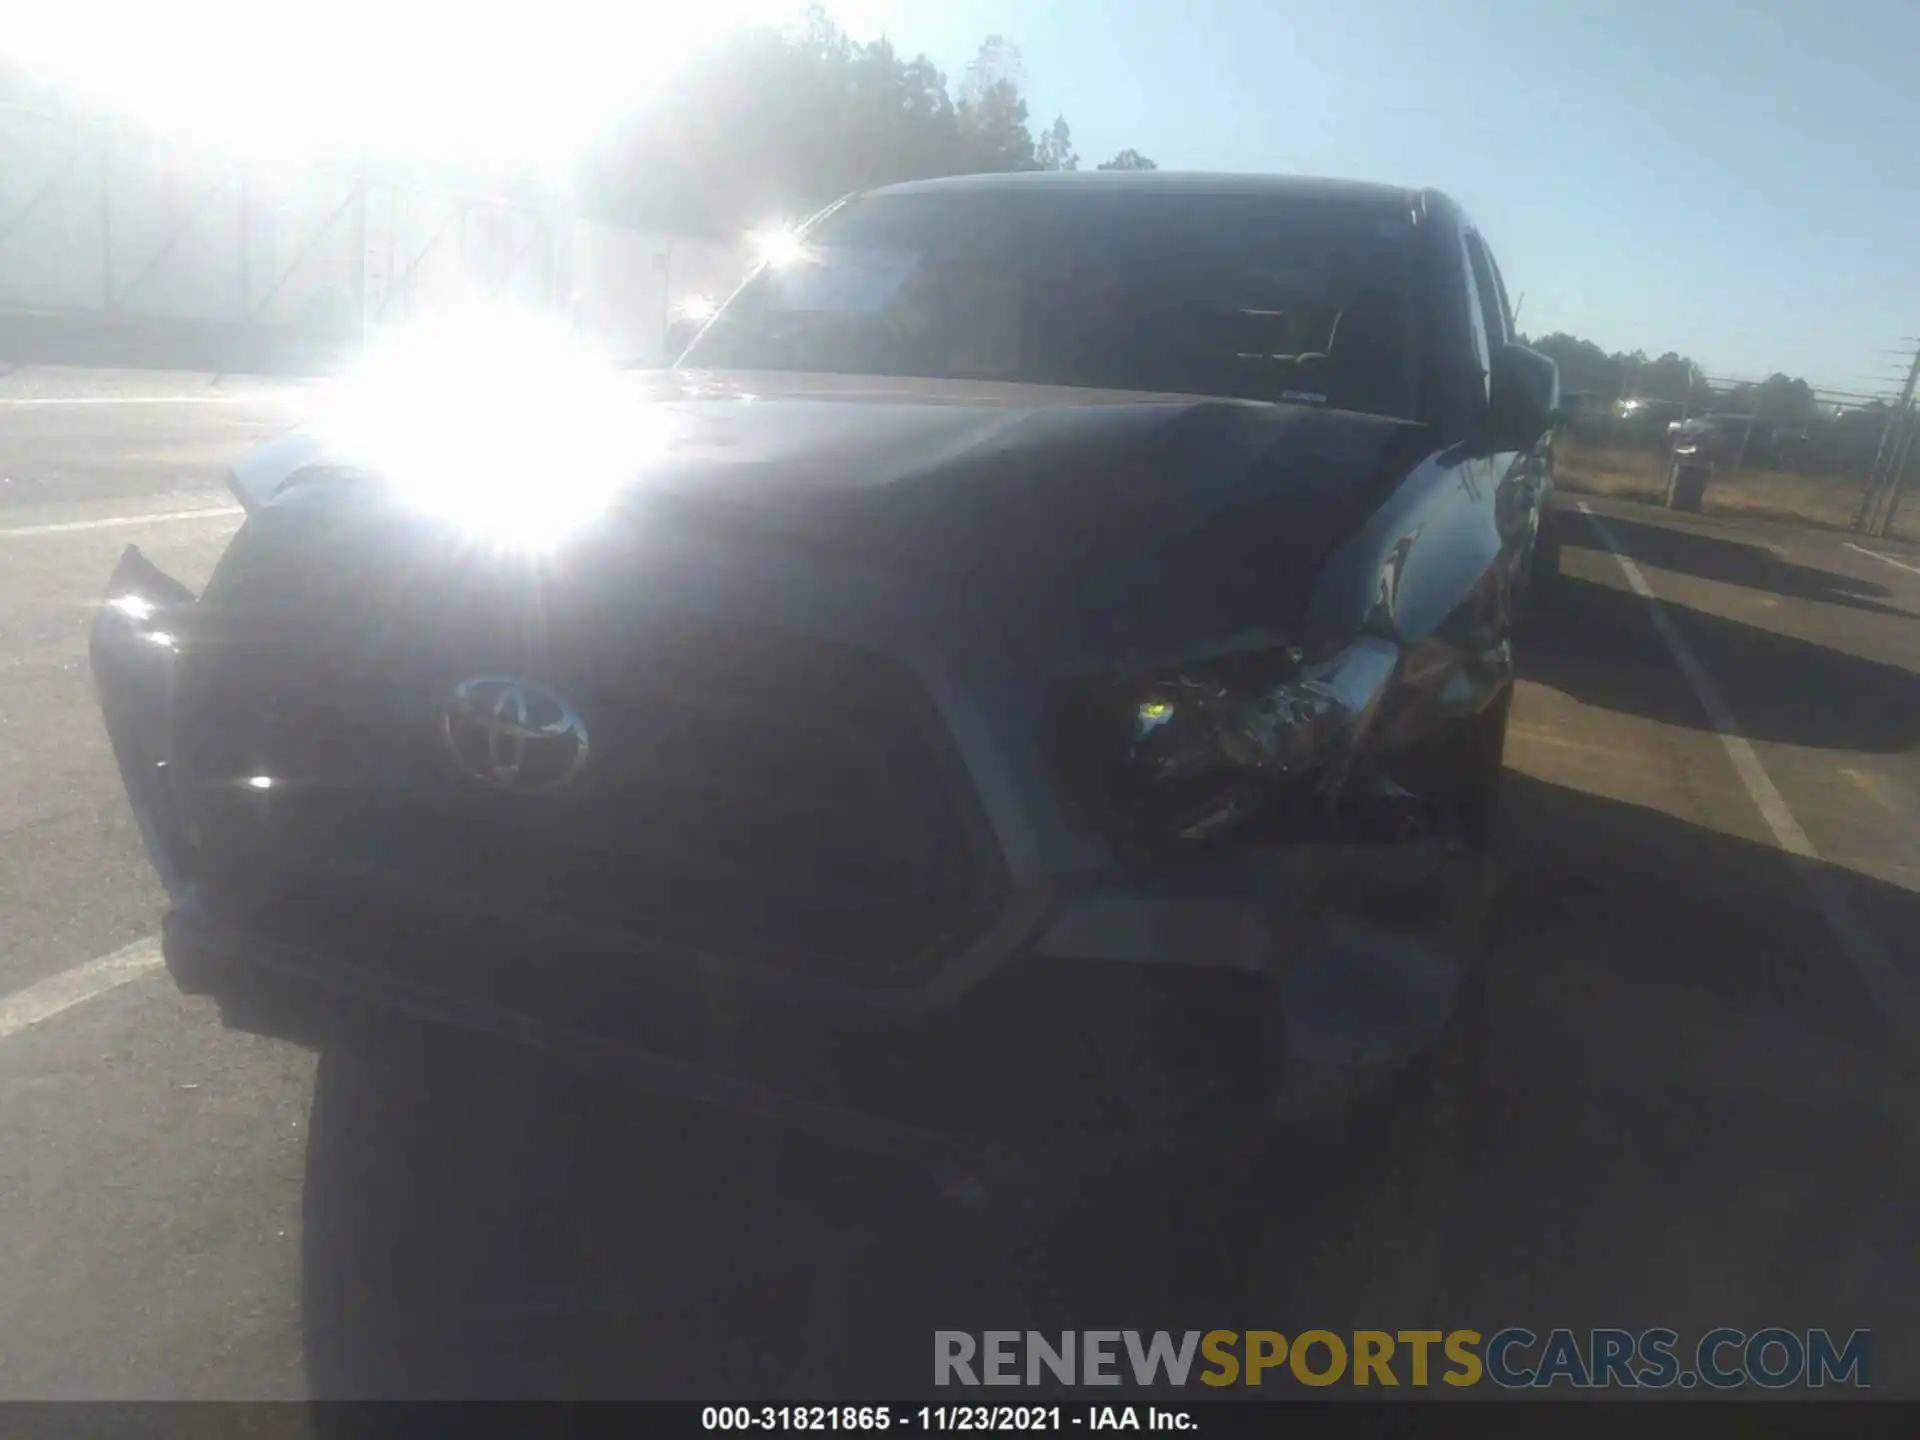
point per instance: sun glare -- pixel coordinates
(501, 86)
(778, 245)
(500, 421)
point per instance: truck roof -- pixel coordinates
(1171, 182)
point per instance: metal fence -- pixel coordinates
(1841, 462)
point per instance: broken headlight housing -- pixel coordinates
(1196, 752)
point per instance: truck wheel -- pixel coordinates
(391, 1201)
(1474, 764)
(474, 1228)
(421, 1208)
(1443, 1110)
(1546, 559)
(359, 1278)
(1445, 1123)
(1427, 1138)
(1543, 570)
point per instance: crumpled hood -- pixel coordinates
(1043, 509)
(1037, 504)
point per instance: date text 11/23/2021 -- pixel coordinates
(940, 1419)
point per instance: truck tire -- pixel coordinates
(1446, 1120)
(1442, 1124)
(400, 1202)
(475, 1229)
(1687, 487)
(1477, 766)
(1543, 568)
(1546, 558)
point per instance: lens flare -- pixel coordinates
(500, 421)
(778, 245)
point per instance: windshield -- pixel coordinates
(1248, 296)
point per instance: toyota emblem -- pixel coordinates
(513, 734)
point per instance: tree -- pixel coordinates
(998, 61)
(1054, 149)
(1584, 366)
(992, 114)
(1671, 377)
(1128, 160)
(993, 132)
(1786, 401)
(774, 123)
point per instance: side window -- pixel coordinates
(1477, 321)
(1486, 283)
(1500, 288)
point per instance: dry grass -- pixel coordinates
(1828, 502)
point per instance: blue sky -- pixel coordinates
(1732, 179)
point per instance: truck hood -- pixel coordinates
(996, 502)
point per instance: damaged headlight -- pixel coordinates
(1193, 753)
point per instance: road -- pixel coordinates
(1703, 979)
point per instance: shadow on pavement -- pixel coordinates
(1595, 645)
(1697, 1118)
(1738, 562)
(1689, 1121)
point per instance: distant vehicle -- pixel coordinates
(1640, 410)
(1052, 602)
(1638, 420)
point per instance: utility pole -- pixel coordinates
(1746, 430)
(1889, 460)
(1897, 476)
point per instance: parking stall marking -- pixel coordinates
(47, 998)
(67, 527)
(22, 402)
(1898, 564)
(1862, 949)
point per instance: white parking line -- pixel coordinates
(48, 998)
(1898, 564)
(1863, 951)
(113, 522)
(1880, 789)
(23, 401)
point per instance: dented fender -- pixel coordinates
(133, 650)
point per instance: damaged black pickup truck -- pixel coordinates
(1039, 690)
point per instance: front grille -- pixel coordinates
(749, 795)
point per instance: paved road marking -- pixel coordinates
(65, 527)
(1870, 962)
(1876, 787)
(22, 401)
(1899, 564)
(47, 998)
(1539, 735)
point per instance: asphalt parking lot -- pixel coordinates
(1703, 986)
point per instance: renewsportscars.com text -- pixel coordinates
(1512, 1358)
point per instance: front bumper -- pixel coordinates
(1106, 1018)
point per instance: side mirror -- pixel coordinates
(1523, 398)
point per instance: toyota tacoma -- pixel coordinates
(1030, 683)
